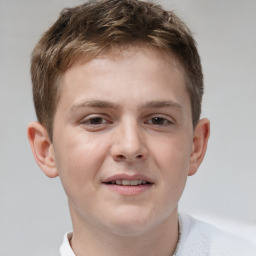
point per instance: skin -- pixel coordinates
(128, 113)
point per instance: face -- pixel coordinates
(123, 139)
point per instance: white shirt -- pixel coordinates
(65, 248)
(197, 239)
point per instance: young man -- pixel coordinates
(117, 89)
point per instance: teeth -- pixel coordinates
(125, 182)
(129, 182)
(134, 182)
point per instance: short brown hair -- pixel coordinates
(94, 27)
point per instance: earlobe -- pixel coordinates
(42, 148)
(200, 140)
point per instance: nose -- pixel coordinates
(129, 144)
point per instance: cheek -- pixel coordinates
(174, 153)
(78, 159)
(173, 160)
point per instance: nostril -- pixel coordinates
(121, 157)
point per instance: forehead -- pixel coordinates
(134, 69)
(128, 52)
(122, 58)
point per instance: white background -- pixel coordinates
(33, 208)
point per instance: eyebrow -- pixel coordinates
(107, 104)
(161, 104)
(94, 104)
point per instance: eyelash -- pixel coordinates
(98, 122)
(89, 121)
(164, 121)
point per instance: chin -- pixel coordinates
(131, 229)
(133, 222)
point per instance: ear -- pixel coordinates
(42, 148)
(200, 140)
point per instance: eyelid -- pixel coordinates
(85, 120)
(170, 120)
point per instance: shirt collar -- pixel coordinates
(65, 248)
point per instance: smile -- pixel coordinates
(128, 182)
(128, 185)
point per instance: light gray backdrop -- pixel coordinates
(33, 208)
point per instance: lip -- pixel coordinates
(127, 177)
(128, 190)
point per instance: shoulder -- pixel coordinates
(200, 238)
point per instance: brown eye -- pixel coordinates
(158, 120)
(94, 123)
(96, 120)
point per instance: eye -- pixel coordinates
(160, 121)
(95, 122)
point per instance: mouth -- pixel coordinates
(128, 185)
(128, 182)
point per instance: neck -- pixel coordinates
(159, 240)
